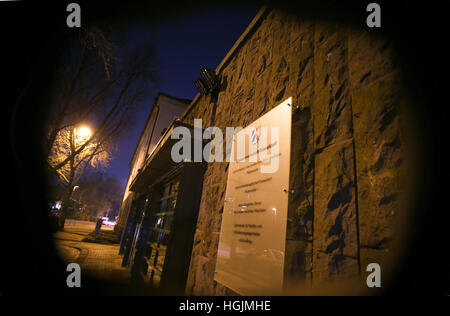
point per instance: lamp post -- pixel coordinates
(78, 136)
(74, 188)
(79, 195)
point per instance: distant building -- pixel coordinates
(347, 166)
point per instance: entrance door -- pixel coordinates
(167, 233)
(161, 224)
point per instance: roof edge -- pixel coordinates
(158, 96)
(231, 52)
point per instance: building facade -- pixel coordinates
(164, 110)
(349, 178)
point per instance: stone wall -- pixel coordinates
(346, 161)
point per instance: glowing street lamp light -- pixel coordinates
(83, 133)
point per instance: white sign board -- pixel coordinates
(250, 257)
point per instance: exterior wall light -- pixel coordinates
(208, 81)
(201, 86)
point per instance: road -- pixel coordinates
(95, 260)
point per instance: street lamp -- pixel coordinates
(83, 133)
(74, 188)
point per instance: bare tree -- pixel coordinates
(94, 154)
(100, 83)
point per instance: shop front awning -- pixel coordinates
(160, 162)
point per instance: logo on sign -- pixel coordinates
(256, 132)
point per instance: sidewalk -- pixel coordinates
(96, 260)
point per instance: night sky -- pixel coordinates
(196, 38)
